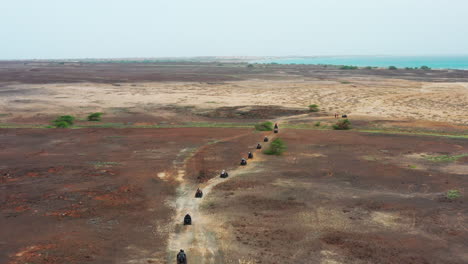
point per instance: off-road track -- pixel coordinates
(199, 240)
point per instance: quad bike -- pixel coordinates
(259, 146)
(181, 257)
(199, 193)
(187, 220)
(243, 162)
(276, 130)
(265, 139)
(250, 156)
(224, 174)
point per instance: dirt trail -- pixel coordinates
(199, 240)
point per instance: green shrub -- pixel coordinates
(343, 124)
(277, 147)
(313, 108)
(264, 126)
(61, 124)
(392, 68)
(95, 117)
(250, 66)
(368, 68)
(424, 67)
(64, 121)
(453, 194)
(348, 67)
(317, 124)
(446, 158)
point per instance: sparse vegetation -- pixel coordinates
(277, 147)
(64, 121)
(250, 66)
(415, 133)
(368, 68)
(412, 166)
(313, 108)
(264, 126)
(349, 67)
(446, 158)
(343, 124)
(95, 117)
(424, 67)
(453, 194)
(317, 124)
(392, 68)
(100, 164)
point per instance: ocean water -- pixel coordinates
(435, 62)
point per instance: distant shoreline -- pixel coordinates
(410, 62)
(449, 62)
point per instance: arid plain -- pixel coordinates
(115, 191)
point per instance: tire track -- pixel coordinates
(199, 240)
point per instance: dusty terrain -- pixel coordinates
(116, 191)
(345, 198)
(97, 196)
(32, 92)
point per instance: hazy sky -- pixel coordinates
(156, 28)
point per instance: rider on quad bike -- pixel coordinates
(199, 193)
(224, 174)
(187, 219)
(181, 257)
(243, 162)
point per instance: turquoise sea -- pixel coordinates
(435, 62)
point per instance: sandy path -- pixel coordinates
(199, 239)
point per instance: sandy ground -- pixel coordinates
(200, 238)
(379, 98)
(107, 195)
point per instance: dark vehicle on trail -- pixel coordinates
(224, 174)
(276, 130)
(181, 257)
(199, 193)
(259, 146)
(243, 162)
(265, 139)
(187, 220)
(250, 155)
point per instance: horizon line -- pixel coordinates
(233, 57)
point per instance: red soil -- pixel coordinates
(93, 195)
(325, 200)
